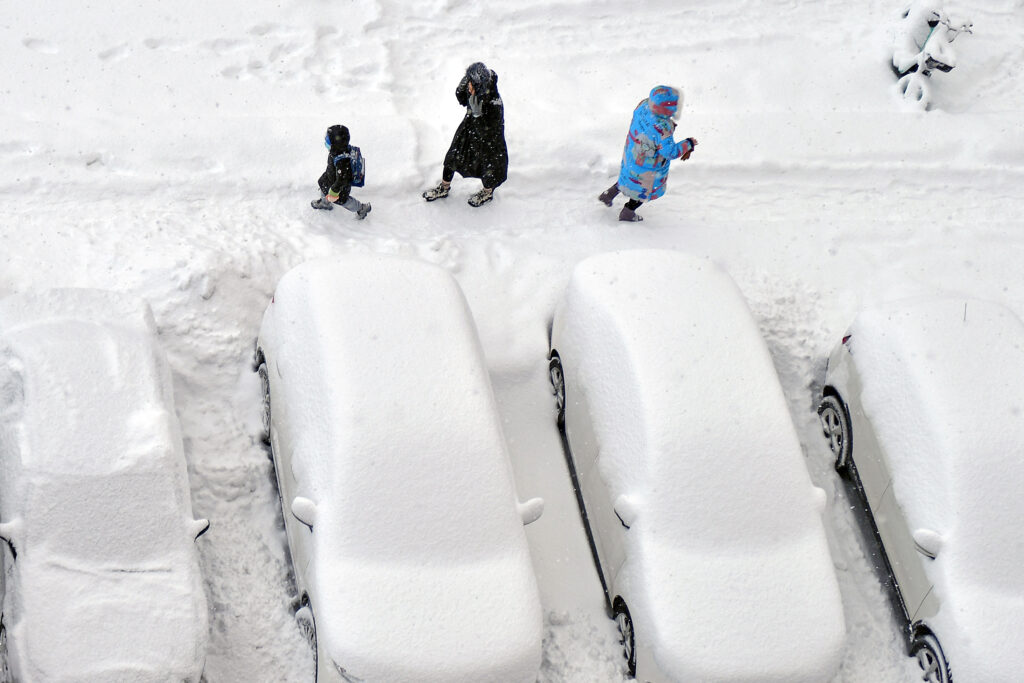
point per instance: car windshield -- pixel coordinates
(125, 520)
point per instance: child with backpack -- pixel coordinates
(344, 170)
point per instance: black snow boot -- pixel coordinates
(608, 195)
(322, 203)
(363, 210)
(628, 214)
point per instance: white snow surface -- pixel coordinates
(940, 386)
(94, 478)
(171, 152)
(418, 557)
(728, 543)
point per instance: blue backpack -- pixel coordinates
(356, 163)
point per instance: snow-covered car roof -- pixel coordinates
(420, 548)
(94, 481)
(941, 385)
(695, 435)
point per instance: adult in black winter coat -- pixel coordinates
(336, 182)
(478, 149)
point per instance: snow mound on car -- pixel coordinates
(694, 432)
(107, 575)
(86, 358)
(941, 386)
(420, 554)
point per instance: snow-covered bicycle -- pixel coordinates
(923, 43)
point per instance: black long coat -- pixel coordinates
(478, 149)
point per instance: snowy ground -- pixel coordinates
(172, 150)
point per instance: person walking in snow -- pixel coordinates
(478, 149)
(336, 182)
(649, 149)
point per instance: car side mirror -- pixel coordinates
(927, 542)
(199, 527)
(304, 510)
(10, 533)
(819, 498)
(626, 510)
(531, 510)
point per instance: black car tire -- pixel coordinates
(835, 425)
(557, 378)
(5, 671)
(265, 415)
(928, 653)
(625, 624)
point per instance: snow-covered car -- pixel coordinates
(704, 525)
(403, 525)
(923, 408)
(100, 567)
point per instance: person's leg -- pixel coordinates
(322, 203)
(356, 207)
(610, 194)
(629, 213)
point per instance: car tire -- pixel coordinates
(926, 650)
(835, 425)
(625, 624)
(307, 627)
(557, 378)
(5, 671)
(265, 412)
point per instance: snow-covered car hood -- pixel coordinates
(980, 630)
(148, 622)
(434, 622)
(778, 604)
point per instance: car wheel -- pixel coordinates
(934, 667)
(307, 627)
(5, 670)
(265, 387)
(558, 384)
(836, 427)
(625, 623)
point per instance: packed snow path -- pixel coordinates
(174, 156)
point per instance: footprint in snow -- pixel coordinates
(42, 46)
(115, 53)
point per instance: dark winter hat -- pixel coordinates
(337, 136)
(479, 75)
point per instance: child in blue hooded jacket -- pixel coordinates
(649, 149)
